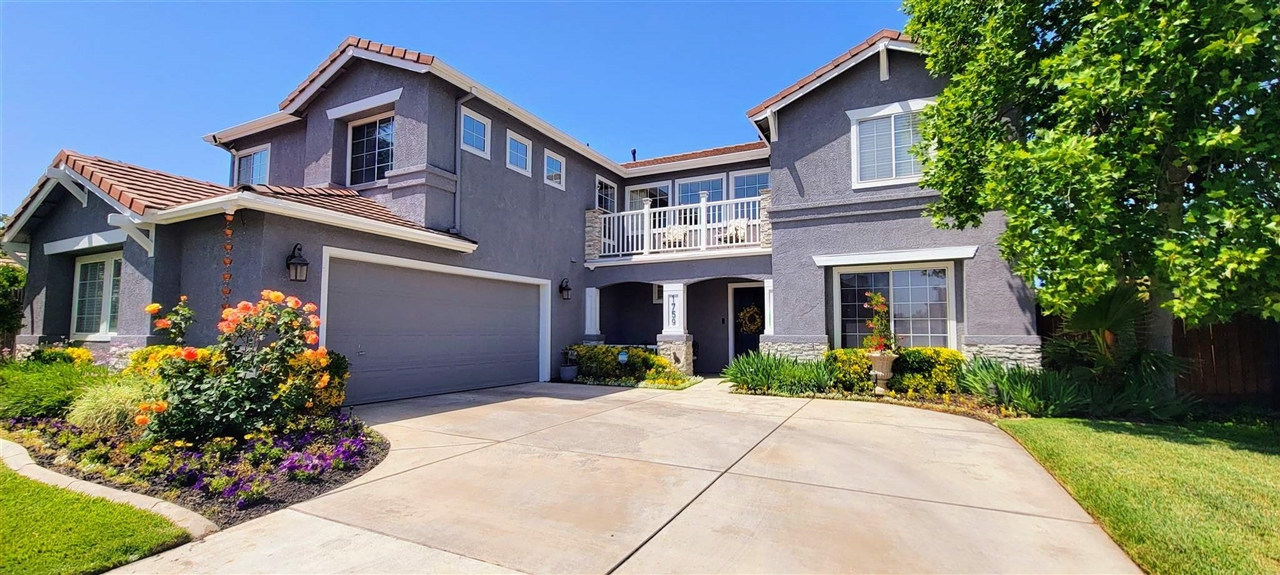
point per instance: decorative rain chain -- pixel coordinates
(226, 263)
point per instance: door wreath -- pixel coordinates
(750, 320)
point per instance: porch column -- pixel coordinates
(675, 343)
(591, 329)
(768, 307)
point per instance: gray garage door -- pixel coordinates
(411, 332)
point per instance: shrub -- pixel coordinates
(146, 360)
(1035, 392)
(981, 377)
(33, 389)
(804, 378)
(600, 362)
(60, 354)
(910, 383)
(850, 369)
(111, 406)
(261, 373)
(939, 366)
(755, 372)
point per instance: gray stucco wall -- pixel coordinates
(286, 159)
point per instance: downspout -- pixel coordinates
(457, 161)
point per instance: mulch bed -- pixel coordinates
(280, 494)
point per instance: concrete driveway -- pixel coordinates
(553, 478)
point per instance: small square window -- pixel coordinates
(519, 149)
(252, 165)
(553, 169)
(475, 133)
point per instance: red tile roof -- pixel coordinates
(140, 190)
(829, 66)
(696, 155)
(354, 42)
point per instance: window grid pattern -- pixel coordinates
(884, 147)
(252, 168)
(372, 149)
(659, 194)
(606, 196)
(89, 297)
(917, 306)
(475, 134)
(554, 171)
(691, 192)
(749, 186)
(518, 154)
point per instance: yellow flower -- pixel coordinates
(276, 297)
(153, 309)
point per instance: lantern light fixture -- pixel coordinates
(566, 292)
(297, 265)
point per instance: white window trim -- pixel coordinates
(364, 104)
(951, 294)
(650, 185)
(564, 169)
(675, 186)
(235, 166)
(103, 332)
(488, 133)
(873, 112)
(351, 126)
(528, 156)
(615, 194)
(733, 192)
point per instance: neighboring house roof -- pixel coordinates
(161, 197)
(700, 154)
(832, 68)
(354, 47)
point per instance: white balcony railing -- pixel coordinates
(702, 226)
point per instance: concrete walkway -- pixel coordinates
(553, 478)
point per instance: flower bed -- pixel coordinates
(600, 365)
(233, 431)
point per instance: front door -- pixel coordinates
(748, 319)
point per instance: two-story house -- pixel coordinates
(455, 241)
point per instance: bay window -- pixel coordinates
(95, 298)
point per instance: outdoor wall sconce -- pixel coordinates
(297, 265)
(566, 292)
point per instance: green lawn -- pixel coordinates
(44, 529)
(1195, 498)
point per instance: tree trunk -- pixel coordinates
(1160, 332)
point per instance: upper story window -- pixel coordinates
(372, 149)
(475, 133)
(606, 195)
(882, 139)
(689, 190)
(518, 152)
(553, 169)
(748, 183)
(96, 301)
(659, 194)
(252, 165)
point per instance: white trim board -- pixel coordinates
(898, 256)
(842, 68)
(676, 256)
(364, 105)
(85, 242)
(544, 292)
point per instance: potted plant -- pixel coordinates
(569, 367)
(881, 345)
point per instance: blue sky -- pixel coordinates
(142, 82)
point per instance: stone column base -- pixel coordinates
(801, 347)
(1027, 354)
(678, 349)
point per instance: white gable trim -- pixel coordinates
(74, 183)
(897, 256)
(364, 104)
(84, 242)
(811, 86)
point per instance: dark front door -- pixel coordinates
(748, 319)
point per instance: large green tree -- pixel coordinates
(1127, 142)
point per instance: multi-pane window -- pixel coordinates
(518, 148)
(918, 305)
(749, 185)
(658, 194)
(96, 303)
(553, 169)
(884, 147)
(251, 167)
(372, 149)
(606, 195)
(690, 192)
(475, 133)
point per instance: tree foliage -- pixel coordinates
(1127, 142)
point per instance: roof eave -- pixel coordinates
(733, 158)
(254, 126)
(762, 111)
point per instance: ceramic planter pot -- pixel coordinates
(881, 368)
(568, 372)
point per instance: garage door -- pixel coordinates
(410, 332)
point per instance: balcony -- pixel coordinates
(705, 229)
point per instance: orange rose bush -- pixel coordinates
(263, 371)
